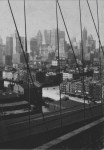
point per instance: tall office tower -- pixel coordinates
(62, 53)
(47, 36)
(39, 38)
(9, 46)
(34, 48)
(54, 39)
(14, 42)
(62, 47)
(1, 54)
(61, 35)
(17, 49)
(18, 45)
(84, 36)
(91, 43)
(1, 41)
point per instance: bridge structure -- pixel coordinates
(13, 129)
(69, 135)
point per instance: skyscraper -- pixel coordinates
(62, 47)
(54, 39)
(47, 36)
(14, 42)
(17, 49)
(84, 36)
(39, 38)
(18, 45)
(1, 41)
(91, 43)
(9, 46)
(61, 35)
(34, 48)
(1, 54)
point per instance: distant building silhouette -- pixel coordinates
(84, 35)
(34, 48)
(39, 38)
(9, 46)
(17, 49)
(1, 41)
(61, 35)
(1, 54)
(47, 36)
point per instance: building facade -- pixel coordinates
(84, 36)
(9, 46)
(34, 48)
(1, 54)
(39, 38)
(47, 36)
(61, 35)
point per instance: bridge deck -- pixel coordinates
(70, 134)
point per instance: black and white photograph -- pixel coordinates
(51, 74)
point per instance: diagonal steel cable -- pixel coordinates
(68, 35)
(82, 55)
(99, 51)
(26, 60)
(95, 26)
(97, 32)
(58, 56)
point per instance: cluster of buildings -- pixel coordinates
(93, 89)
(47, 49)
(11, 52)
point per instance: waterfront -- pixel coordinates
(41, 55)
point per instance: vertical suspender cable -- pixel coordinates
(25, 28)
(82, 55)
(95, 26)
(24, 55)
(28, 69)
(20, 41)
(100, 45)
(21, 44)
(58, 57)
(68, 35)
(99, 50)
(27, 62)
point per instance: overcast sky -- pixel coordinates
(41, 15)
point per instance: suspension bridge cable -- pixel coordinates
(99, 50)
(27, 62)
(96, 32)
(95, 27)
(68, 35)
(25, 27)
(24, 55)
(21, 43)
(82, 55)
(58, 56)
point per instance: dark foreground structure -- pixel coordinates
(27, 126)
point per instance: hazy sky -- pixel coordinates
(41, 15)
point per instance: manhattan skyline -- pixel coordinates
(41, 15)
